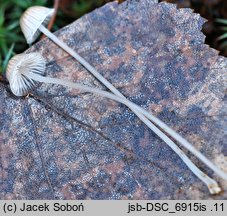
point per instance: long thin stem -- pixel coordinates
(53, 18)
(137, 111)
(211, 184)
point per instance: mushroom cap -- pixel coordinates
(32, 19)
(17, 68)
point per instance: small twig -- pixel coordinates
(51, 23)
(1, 78)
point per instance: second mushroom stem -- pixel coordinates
(211, 184)
(138, 111)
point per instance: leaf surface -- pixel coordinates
(60, 143)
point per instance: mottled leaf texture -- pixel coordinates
(59, 143)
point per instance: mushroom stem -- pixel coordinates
(211, 184)
(136, 110)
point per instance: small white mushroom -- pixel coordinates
(21, 84)
(32, 19)
(25, 70)
(33, 22)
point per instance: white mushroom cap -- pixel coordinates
(32, 19)
(17, 68)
